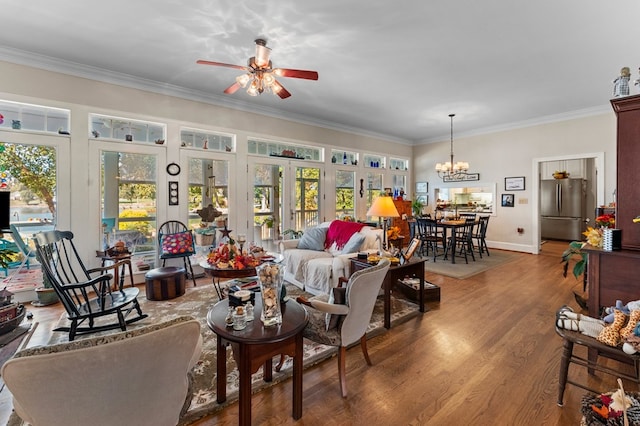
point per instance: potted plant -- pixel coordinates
(575, 252)
(6, 256)
(416, 207)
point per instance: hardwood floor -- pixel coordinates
(487, 354)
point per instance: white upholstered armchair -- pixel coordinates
(341, 323)
(137, 377)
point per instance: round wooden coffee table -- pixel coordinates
(255, 346)
(217, 274)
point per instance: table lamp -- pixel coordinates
(384, 208)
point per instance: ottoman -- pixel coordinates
(165, 283)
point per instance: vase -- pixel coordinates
(270, 277)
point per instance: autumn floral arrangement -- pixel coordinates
(393, 233)
(594, 234)
(606, 221)
(228, 256)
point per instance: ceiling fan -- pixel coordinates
(260, 76)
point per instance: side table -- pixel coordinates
(118, 275)
(411, 267)
(256, 346)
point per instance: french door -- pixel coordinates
(286, 196)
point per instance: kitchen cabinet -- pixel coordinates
(576, 168)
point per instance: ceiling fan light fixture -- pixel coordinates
(260, 76)
(268, 79)
(243, 80)
(262, 53)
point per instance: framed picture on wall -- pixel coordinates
(422, 187)
(514, 183)
(507, 200)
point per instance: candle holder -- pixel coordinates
(242, 238)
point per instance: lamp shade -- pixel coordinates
(383, 207)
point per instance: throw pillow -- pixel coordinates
(354, 244)
(313, 239)
(337, 296)
(180, 243)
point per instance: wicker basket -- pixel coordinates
(204, 239)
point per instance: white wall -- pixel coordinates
(83, 96)
(517, 153)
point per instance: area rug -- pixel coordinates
(22, 283)
(196, 302)
(462, 270)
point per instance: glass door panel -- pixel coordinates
(285, 197)
(345, 195)
(128, 203)
(307, 189)
(267, 203)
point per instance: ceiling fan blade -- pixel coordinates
(232, 89)
(286, 72)
(221, 64)
(279, 90)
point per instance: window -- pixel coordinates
(19, 116)
(374, 187)
(283, 149)
(200, 139)
(30, 174)
(126, 129)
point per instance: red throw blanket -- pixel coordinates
(340, 231)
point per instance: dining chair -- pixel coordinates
(480, 234)
(429, 236)
(464, 243)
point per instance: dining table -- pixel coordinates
(450, 226)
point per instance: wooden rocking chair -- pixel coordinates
(86, 297)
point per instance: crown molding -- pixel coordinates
(547, 119)
(49, 63)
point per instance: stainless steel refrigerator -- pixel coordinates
(563, 208)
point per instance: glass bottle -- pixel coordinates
(229, 318)
(239, 319)
(248, 309)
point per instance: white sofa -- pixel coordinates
(316, 269)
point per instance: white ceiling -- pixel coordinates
(391, 68)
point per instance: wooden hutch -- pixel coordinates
(404, 209)
(615, 275)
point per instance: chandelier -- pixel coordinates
(452, 171)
